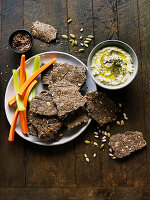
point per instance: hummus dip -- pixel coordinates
(112, 66)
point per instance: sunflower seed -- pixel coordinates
(72, 35)
(90, 36)
(64, 36)
(81, 30)
(81, 50)
(69, 21)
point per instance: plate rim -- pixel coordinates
(54, 143)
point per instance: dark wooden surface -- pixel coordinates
(28, 171)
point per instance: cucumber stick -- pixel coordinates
(35, 68)
(16, 86)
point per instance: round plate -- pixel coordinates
(68, 135)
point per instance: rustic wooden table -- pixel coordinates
(28, 171)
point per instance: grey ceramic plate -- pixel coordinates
(45, 57)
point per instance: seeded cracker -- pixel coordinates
(42, 104)
(101, 108)
(44, 32)
(126, 143)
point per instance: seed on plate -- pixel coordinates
(111, 155)
(94, 155)
(81, 37)
(85, 155)
(87, 159)
(86, 42)
(72, 35)
(89, 39)
(75, 42)
(90, 36)
(118, 123)
(81, 44)
(81, 30)
(108, 134)
(81, 50)
(69, 21)
(102, 146)
(107, 128)
(87, 142)
(64, 36)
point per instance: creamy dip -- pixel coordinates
(112, 66)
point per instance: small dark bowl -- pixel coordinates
(11, 39)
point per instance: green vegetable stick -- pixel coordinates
(27, 74)
(35, 68)
(16, 86)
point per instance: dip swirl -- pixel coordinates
(112, 66)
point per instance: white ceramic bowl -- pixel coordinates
(121, 45)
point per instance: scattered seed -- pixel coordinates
(81, 37)
(87, 159)
(107, 128)
(64, 36)
(118, 123)
(81, 44)
(96, 136)
(111, 155)
(122, 122)
(89, 39)
(108, 134)
(86, 42)
(105, 133)
(81, 30)
(96, 133)
(69, 21)
(85, 155)
(72, 43)
(125, 116)
(104, 140)
(90, 36)
(87, 142)
(71, 40)
(86, 45)
(110, 150)
(95, 143)
(75, 42)
(72, 35)
(102, 146)
(81, 50)
(94, 155)
(120, 105)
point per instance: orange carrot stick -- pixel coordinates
(22, 81)
(12, 101)
(23, 121)
(33, 76)
(13, 125)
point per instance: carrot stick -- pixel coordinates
(23, 121)
(13, 125)
(12, 101)
(33, 76)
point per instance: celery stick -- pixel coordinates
(35, 68)
(16, 86)
(27, 74)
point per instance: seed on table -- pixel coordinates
(86, 45)
(75, 42)
(87, 142)
(81, 50)
(64, 36)
(86, 42)
(81, 37)
(89, 39)
(72, 35)
(102, 146)
(81, 30)
(90, 36)
(69, 21)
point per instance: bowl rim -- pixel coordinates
(11, 36)
(96, 48)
